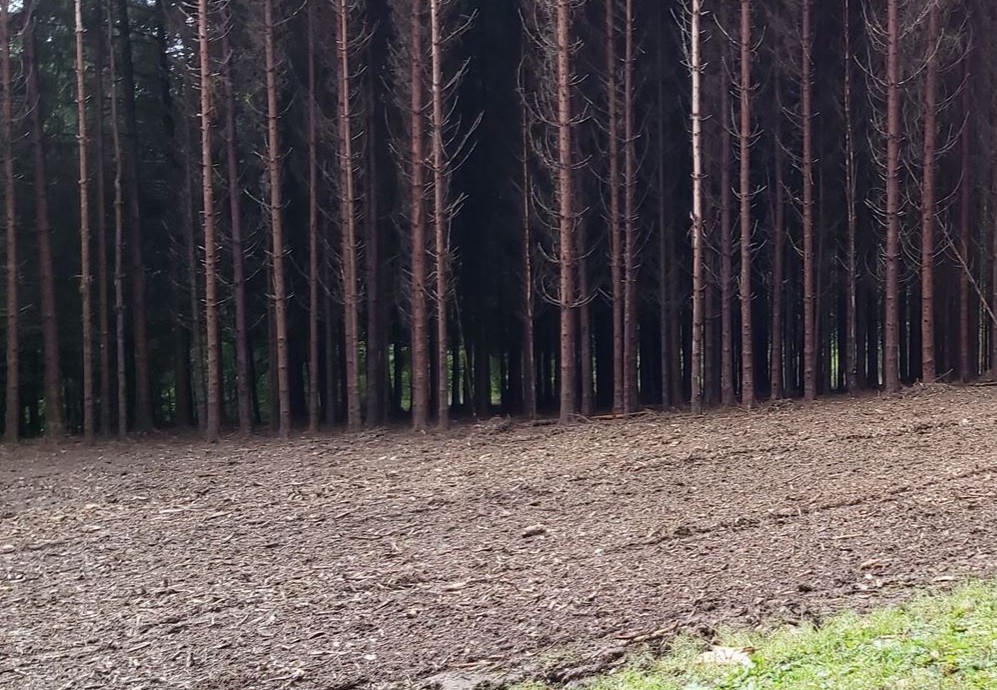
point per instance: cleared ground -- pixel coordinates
(362, 560)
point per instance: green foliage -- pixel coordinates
(934, 643)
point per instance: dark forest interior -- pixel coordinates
(252, 214)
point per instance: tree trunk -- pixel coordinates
(84, 190)
(967, 371)
(313, 243)
(747, 336)
(119, 234)
(54, 408)
(440, 220)
(631, 391)
(276, 223)
(851, 202)
(566, 213)
(615, 231)
(130, 158)
(348, 219)
(213, 344)
(242, 354)
(529, 362)
(777, 362)
(928, 374)
(891, 362)
(104, 318)
(13, 408)
(696, 117)
(809, 267)
(420, 327)
(376, 344)
(727, 375)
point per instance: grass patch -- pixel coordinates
(944, 642)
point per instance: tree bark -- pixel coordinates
(54, 408)
(777, 361)
(119, 234)
(348, 229)
(242, 354)
(967, 370)
(893, 124)
(851, 201)
(276, 223)
(747, 335)
(13, 403)
(440, 220)
(84, 190)
(566, 217)
(104, 318)
(420, 327)
(615, 231)
(928, 374)
(727, 375)
(809, 267)
(313, 239)
(213, 344)
(631, 391)
(529, 362)
(696, 117)
(130, 157)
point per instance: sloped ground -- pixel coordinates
(386, 558)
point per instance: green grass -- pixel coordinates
(944, 642)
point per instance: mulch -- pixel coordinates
(497, 552)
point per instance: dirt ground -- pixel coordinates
(386, 559)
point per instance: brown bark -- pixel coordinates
(348, 219)
(276, 223)
(376, 344)
(809, 267)
(747, 336)
(84, 190)
(727, 392)
(777, 357)
(529, 362)
(928, 374)
(13, 404)
(615, 231)
(893, 124)
(851, 202)
(420, 327)
(565, 213)
(313, 243)
(631, 392)
(213, 422)
(696, 117)
(586, 369)
(440, 220)
(104, 318)
(242, 355)
(54, 413)
(119, 233)
(130, 156)
(967, 370)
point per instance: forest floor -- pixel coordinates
(386, 558)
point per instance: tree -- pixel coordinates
(891, 362)
(242, 355)
(928, 210)
(744, 138)
(130, 182)
(348, 209)
(313, 232)
(807, 169)
(696, 118)
(54, 422)
(13, 405)
(276, 207)
(85, 276)
(213, 344)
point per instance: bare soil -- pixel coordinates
(497, 551)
